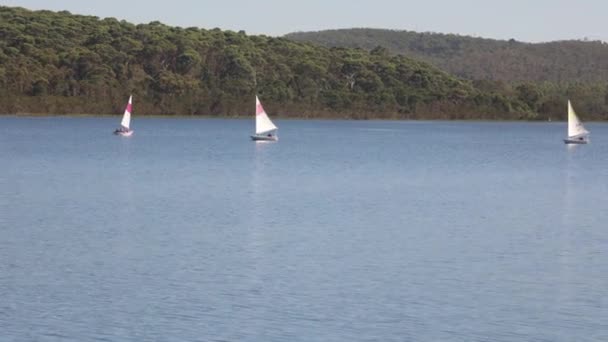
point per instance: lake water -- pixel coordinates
(341, 231)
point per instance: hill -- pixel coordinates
(479, 58)
(541, 75)
(57, 62)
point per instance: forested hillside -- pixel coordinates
(64, 63)
(55, 63)
(541, 75)
(479, 58)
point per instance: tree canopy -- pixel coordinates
(57, 62)
(541, 75)
(480, 58)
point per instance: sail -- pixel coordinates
(575, 127)
(126, 118)
(262, 122)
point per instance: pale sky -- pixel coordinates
(524, 20)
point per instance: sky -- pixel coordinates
(523, 20)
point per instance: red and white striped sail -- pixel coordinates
(126, 118)
(262, 121)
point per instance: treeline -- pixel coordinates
(543, 75)
(480, 58)
(59, 63)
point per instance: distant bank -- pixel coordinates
(58, 62)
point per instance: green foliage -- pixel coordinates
(64, 63)
(479, 58)
(533, 80)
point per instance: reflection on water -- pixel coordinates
(341, 231)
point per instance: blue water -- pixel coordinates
(341, 231)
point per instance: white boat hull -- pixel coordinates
(264, 138)
(124, 133)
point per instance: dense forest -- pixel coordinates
(57, 62)
(480, 58)
(540, 74)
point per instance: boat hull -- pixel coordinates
(264, 138)
(124, 133)
(575, 141)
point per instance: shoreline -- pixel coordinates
(247, 117)
(119, 115)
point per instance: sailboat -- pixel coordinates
(125, 129)
(577, 134)
(265, 130)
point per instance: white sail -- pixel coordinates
(126, 118)
(575, 127)
(262, 121)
